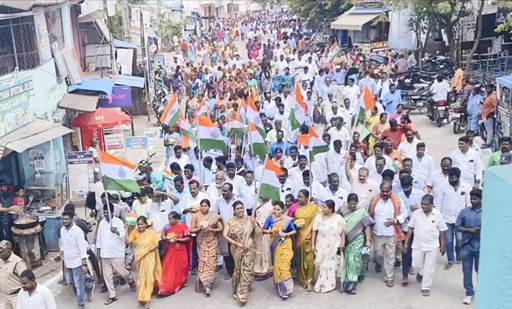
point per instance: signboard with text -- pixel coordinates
(15, 104)
(121, 97)
(80, 173)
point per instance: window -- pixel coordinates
(18, 44)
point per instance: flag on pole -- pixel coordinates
(257, 144)
(368, 99)
(253, 116)
(117, 174)
(235, 128)
(188, 137)
(360, 115)
(299, 110)
(209, 136)
(269, 187)
(171, 113)
(316, 144)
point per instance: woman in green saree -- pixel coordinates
(358, 234)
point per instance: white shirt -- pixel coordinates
(385, 211)
(318, 191)
(248, 194)
(286, 188)
(370, 165)
(158, 213)
(74, 246)
(422, 170)
(343, 135)
(469, 164)
(319, 166)
(335, 162)
(189, 201)
(414, 199)
(440, 91)
(452, 201)
(182, 161)
(295, 174)
(111, 245)
(98, 191)
(437, 181)
(236, 181)
(224, 208)
(352, 93)
(213, 193)
(427, 229)
(339, 197)
(408, 150)
(365, 191)
(41, 298)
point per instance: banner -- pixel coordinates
(80, 173)
(121, 97)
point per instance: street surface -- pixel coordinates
(447, 291)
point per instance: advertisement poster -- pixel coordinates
(15, 104)
(121, 97)
(80, 174)
(114, 140)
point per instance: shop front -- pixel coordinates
(366, 28)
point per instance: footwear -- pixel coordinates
(228, 276)
(419, 278)
(425, 292)
(448, 265)
(110, 300)
(458, 261)
(405, 281)
(132, 285)
(207, 292)
(360, 278)
(378, 268)
(390, 283)
(412, 272)
(467, 300)
(398, 263)
(62, 282)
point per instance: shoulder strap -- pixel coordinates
(373, 204)
(396, 205)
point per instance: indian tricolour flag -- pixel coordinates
(171, 113)
(235, 128)
(299, 110)
(257, 145)
(209, 135)
(117, 173)
(252, 115)
(316, 144)
(188, 136)
(269, 187)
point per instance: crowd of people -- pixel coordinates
(376, 197)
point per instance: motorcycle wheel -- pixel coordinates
(439, 120)
(456, 127)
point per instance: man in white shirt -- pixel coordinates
(439, 180)
(224, 208)
(74, 249)
(286, 185)
(335, 159)
(247, 190)
(407, 148)
(378, 152)
(453, 199)
(295, 173)
(142, 203)
(387, 211)
(361, 185)
(316, 189)
(422, 166)
(214, 190)
(351, 91)
(192, 199)
(232, 177)
(428, 227)
(440, 89)
(33, 295)
(336, 192)
(339, 132)
(179, 157)
(110, 242)
(158, 211)
(468, 161)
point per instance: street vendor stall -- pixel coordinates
(107, 126)
(503, 121)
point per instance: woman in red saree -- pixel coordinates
(175, 263)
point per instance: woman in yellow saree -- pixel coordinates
(304, 217)
(281, 229)
(145, 242)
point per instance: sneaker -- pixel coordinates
(467, 300)
(425, 293)
(448, 265)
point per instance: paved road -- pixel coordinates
(447, 289)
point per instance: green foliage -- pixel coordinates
(319, 12)
(116, 22)
(505, 27)
(167, 29)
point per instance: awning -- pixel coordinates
(79, 102)
(123, 44)
(129, 80)
(93, 86)
(102, 118)
(98, 18)
(32, 134)
(353, 22)
(505, 81)
(26, 5)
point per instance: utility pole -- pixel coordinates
(145, 64)
(109, 24)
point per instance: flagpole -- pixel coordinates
(202, 176)
(310, 175)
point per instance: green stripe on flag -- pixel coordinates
(237, 131)
(270, 192)
(294, 122)
(212, 144)
(128, 185)
(259, 150)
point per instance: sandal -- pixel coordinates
(390, 283)
(110, 301)
(425, 292)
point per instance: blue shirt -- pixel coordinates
(470, 218)
(284, 148)
(390, 101)
(339, 77)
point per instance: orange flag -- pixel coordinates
(368, 99)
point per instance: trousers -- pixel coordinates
(424, 262)
(109, 265)
(384, 251)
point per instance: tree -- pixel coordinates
(505, 26)
(479, 25)
(116, 25)
(167, 29)
(320, 12)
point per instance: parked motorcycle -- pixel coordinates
(459, 118)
